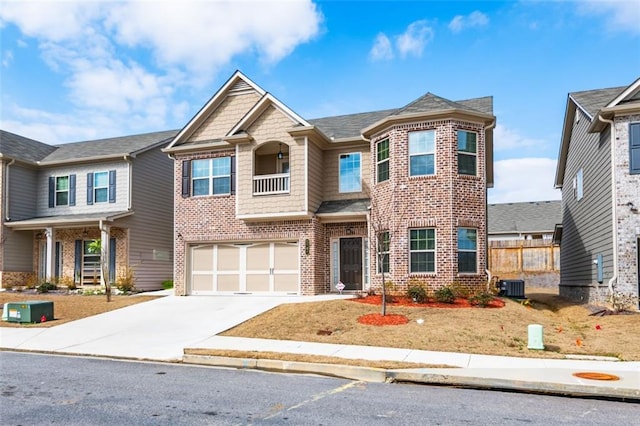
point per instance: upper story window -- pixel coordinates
(62, 190)
(578, 190)
(101, 187)
(422, 250)
(211, 176)
(350, 173)
(382, 161)
(422, 153)
(467, 153)
(467, 250)
(634, 148)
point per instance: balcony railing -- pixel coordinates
(271, 184)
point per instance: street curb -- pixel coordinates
(378, 375)
(366, 374)
(626, 394)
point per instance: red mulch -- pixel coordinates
(405, 301)
(379, 319)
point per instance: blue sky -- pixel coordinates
(85, 70)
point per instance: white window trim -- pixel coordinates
(419, 154)
(211, 178)
(578, 185)
(434, 251)
(59, 192)
(96, 187)
(471, 154)
(340, 190)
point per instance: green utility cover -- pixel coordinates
(33, 311)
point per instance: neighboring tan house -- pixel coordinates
(267, 201)
(57, 199)
(599, 174)
(532, 220)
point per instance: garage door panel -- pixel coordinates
(228, 258)
(229, 282)
(286, 256)
(258, 257)
(286, 283)
(202, 282)
(202, 258)
(257, 282)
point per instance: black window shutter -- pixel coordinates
(112, 186)
(57, 259)
(72, 190)
(89, 189)
(233, 175)
(634, 148)
(112, 260)
(52, 191)
(77, 270)
(186, 178)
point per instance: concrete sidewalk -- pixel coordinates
(161, 330)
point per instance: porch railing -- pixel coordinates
(271, 184)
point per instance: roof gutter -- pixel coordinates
(614, 197)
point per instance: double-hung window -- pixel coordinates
(467, 153)
(634, 148)
(578, 186)
(383, 252)
(467, 250)
(62, 190)
(101, 187)
(382, 161)
(422, 250)
(211, 176)
(422, 153)
(350, 173)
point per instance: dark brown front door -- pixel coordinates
(351, 263)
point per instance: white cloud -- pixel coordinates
(7, 58)
(472, 20)
(93, 45)
(524, 179)
(410, 43)
(382, 48)
(414, 39)
(508, 139)
(621, 15)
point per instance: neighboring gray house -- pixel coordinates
(57, 199)
(532, 220)
(599, 174)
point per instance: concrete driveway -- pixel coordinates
(156, 330)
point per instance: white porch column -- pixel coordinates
(104, 254)
(50, 266)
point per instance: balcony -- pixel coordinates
(271, 184)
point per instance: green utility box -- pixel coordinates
(32, 311)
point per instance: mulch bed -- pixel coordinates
(379, 319)
(405, 301)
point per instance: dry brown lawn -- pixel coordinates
(568, 329)
(69, 307)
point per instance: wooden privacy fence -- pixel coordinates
(523, 256)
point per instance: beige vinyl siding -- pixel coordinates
(271, 126)
(227, 115)
(151, 226)
(18, 245)
(316, 175)
(331, 173)
(587, 222)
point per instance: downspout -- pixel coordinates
(6, 190)
(486, 211)
(127, 158)
(614, 197)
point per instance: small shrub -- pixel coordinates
(46, 287)
(482, 299)
(67, 281)
(445, 295)
(621, 302)
(417, 293)
(167, 284)
(125, 280)
(460, 291)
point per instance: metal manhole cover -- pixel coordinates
(596, 376)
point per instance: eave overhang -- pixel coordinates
(66, 221)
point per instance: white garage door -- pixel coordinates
(262, 267)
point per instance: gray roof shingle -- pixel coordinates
(21, 148)
(344, 206)
(535, 216)
(594, 100)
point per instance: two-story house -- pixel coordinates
(599, 174)
(267, 201)
(56, 200)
